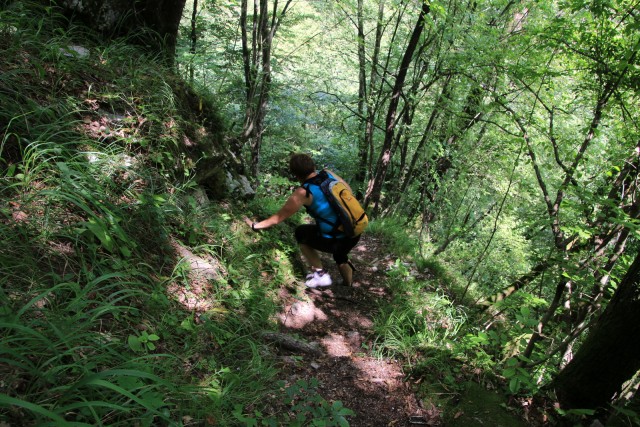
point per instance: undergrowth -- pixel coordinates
(442, 339)
(98, 324)
(95, 197)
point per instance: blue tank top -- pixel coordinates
(321, 210)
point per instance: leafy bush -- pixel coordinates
(93, 199)
(394, 236)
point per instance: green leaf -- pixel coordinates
(512, 362)
(509, 372)
(100, 231)
(125, 251)
(514, 385)
(187, 324)
(11, 401)
(126, 393)
(581, 412)
(134, 343)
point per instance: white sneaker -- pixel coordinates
(317, 279)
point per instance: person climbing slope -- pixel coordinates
(322, 236)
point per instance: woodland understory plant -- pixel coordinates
(90, 208)
(496, 141)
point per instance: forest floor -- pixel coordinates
(326, 333)
(337, 322)
(326, 336)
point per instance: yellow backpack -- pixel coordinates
(353, 218)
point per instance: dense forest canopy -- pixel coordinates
(514, 120)
(502, 137)
(504, 133)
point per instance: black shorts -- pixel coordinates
(309, 234)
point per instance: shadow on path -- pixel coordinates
(337, 322)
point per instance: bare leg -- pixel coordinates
(312, 256)
(347, 273)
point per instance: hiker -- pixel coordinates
(320, 236)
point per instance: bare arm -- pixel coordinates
(290, 207)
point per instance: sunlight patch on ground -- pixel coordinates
(192, 299)
(361, 248)
(336, 345)
(379, 372)
(200, 268)
(339, 345)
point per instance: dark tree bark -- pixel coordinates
(362, 98)
(194, 37)
(611, 353)
(374, 187)
(258, 31)
(125, 17)
(435, 113)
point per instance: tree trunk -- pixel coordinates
(536, 336)
(435, 112)
(374, 188)
(257, 44)
(194, 38)
(362, 100)
(611, 353)
(123, 17)
(367, 107)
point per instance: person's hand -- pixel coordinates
(250, 223)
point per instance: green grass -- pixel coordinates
(394, 236)
(95, 191)
(416, 319)
(90, 334)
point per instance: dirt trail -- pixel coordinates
(338, 321)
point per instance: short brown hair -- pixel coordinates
(301, 165)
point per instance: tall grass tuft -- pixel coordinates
(393, 234)
(90, 202)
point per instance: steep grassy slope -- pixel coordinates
(101, 318)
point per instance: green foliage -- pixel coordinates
(99, 154)
(443, 274)
(394, 235)
(518, 377)
(74, 364)
(576, 416)
(305, 408)
(625, 415)
(418, 318)
(142, 342)
(508, 253)
(94, 194)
